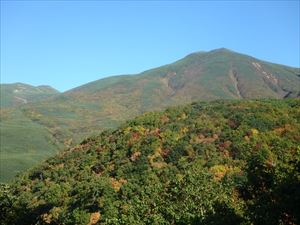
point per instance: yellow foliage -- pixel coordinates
(220, 171)
(140, 129)
(184, 130)
(117, 184)
(254, 132)
(94, 218)
(127, 130)
(111, 167)
(47, 218)
(54, 212)
(247, 138)
(135, 156)
(202, 139)
(156, 159)
(179, 176)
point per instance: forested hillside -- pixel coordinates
(223, 162)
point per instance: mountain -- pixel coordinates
(220, 162)
(210, 75)
(68, 117)
(19, 93)
(218, 74)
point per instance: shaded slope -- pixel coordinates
(224, 162)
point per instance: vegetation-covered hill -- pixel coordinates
(19, 93)
(216, 74)
(223, 162)
(23, 142)
(220, 74)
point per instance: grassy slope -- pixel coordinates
(223, 162)
(23, 143)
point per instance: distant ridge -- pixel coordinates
(19, 93)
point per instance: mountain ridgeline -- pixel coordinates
(36, 129)
(19, 93)
(221, 162)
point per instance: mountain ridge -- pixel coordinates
(14, 94)
(218, 50)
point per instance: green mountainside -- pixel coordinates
(23, 143)
(19, 93)
(219, 74)
(69, 117)
(219, 162)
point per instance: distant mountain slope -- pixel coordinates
(105, 103)
(23, 143)
(221, 162)
(19, 93)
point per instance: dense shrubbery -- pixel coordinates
(226, 162)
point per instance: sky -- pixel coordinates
(68, 43)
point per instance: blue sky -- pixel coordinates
(68, 43)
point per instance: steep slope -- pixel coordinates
(223, 162)
(218, 74)
(19, 93)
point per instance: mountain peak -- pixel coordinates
(217, 50)
(221, 50)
